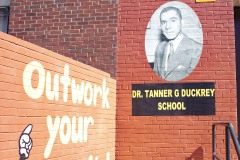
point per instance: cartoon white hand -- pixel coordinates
(25, 143)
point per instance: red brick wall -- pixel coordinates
(38, 87)
(174, 137)
(83, 30)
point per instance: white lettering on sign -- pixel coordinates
(83, 92)
(71, 131)
(34, 93)
(75, 129)
(65, 80)
(96, 158)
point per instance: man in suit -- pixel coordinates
(178, 55)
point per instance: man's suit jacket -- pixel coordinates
(182, 62)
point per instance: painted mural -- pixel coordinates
(55, 106)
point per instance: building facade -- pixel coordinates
(120, 37)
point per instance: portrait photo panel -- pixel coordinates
(174, 27)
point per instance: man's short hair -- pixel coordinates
(171, 8)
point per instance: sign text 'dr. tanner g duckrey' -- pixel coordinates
(181, 93)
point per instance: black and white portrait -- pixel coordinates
(173, 41)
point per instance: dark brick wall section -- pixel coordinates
(84, 30)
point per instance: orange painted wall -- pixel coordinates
(26, 74)
(174, 137)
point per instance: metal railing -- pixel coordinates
(228, 131)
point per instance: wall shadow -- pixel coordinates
(196, 155)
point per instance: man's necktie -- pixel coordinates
(169, 56)
(171, 50)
